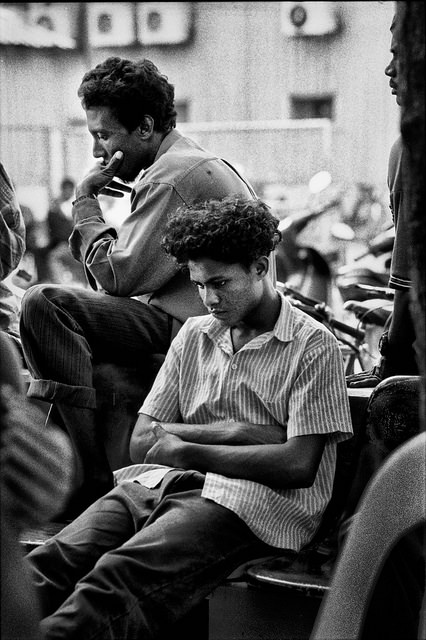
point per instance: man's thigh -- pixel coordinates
(185, 548)
(118, 327)
(107, 524)
(124, 326)
(174, 559)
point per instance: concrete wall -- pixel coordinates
(238, 67)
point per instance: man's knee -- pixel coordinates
(36, 298)
(44, 301)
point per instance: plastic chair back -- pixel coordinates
(392, 505)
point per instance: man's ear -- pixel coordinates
(262, 266)
(146, 127)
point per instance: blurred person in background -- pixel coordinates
(55, 262)
(35, 463)
(397, 343)
(35, 478)
(59, 216)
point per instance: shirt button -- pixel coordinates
(233, 366)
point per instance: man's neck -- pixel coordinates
(262, 321)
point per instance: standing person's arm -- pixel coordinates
(396, 345)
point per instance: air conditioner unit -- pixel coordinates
(309, 18)
(111, 24)
(164, 23)
(59, 17)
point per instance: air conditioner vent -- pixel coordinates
(164, 23)
(111, 24)
(57, 17)
(309, 18)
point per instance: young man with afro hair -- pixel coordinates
(234, 447)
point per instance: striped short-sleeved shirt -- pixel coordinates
(291, 376)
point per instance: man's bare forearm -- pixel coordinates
(293, 464)
(223, 432)
(230, 433)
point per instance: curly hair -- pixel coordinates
(231, 230)
(131, 90)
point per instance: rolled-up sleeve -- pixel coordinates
(12, 227)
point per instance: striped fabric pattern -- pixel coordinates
(292, 376)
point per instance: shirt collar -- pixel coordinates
(165, 145)
(284, 328)
(167, 142)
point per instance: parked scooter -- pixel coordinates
(370, 268)
(299, 265)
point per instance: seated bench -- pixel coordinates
(278, 598)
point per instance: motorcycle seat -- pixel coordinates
(368, 292)
(348, 283)
(376, 311)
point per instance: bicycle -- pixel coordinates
(356, 342)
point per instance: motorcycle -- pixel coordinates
(371, 267)
(299, 264)
(318, 237)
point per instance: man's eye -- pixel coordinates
(220, 284)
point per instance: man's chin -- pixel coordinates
(128, 178)
(223, 317)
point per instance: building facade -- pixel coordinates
(281, 89)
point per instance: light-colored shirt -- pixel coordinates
(130, 262)
(292, 376)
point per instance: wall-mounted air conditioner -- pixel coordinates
(309, 18)
(54, 16)
(111, 24)
(164, 23)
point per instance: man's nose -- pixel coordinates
(390, 70)
(97, 150)
(211, 298)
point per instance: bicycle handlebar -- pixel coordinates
(312, 302)
(346, 328)
(371, 292)
(318, 310)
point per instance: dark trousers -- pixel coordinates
(138, 560)
(65, 331)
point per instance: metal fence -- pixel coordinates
(274, 151)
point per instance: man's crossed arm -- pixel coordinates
(260, 453)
